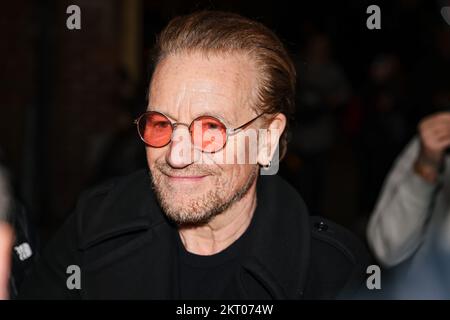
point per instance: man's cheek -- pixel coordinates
(153, 155)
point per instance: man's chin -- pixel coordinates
(188, 207)
(182, 216)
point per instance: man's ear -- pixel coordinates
(269, 139)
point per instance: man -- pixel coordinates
(411, 224)
(201, 224)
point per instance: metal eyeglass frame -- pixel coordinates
(228, 131)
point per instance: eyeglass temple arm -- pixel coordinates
(235, 130)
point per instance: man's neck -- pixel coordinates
(223, 230)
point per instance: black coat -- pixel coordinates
(126, 249)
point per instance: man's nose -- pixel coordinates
(181, 151)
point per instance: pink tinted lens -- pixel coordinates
(155, 129)
(208, 134)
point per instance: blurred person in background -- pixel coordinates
(410, 227)
(6, 236)
(6, 239)
(18, 243)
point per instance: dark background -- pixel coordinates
(68, 97)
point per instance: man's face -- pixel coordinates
(185, 86)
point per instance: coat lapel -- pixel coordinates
(280, 247)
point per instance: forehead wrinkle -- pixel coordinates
(207, 98)
(180, 100)
(203, 98)
(233, 86)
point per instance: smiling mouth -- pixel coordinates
(187, 178)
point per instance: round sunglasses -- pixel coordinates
(208, 133)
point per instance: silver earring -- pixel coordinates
(269, 164)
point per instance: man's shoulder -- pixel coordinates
(339, 260)
(128, 182)
(331, 260)
(119, 205)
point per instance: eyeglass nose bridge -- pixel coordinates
(175, 125)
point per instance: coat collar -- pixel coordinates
(280, 246)
(118, 207)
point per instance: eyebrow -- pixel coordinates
(156, 109)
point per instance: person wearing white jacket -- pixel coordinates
(411, 218)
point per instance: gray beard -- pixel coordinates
(203, 210)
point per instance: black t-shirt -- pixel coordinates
(207, 277)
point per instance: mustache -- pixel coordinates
(191, 170)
